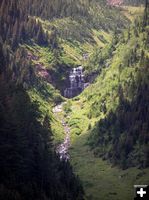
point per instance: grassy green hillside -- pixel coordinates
(48, 46)
(65, 50)
(123, 75)
(100, 179)
(64, 47)
(40, 42)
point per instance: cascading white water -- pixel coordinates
(77, 84)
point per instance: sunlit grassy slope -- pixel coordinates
(100, 179)
(77, 37)
(74, 39)
(45, 103)
(131, 11)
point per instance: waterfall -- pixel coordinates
(77, 83)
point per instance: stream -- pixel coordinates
(62, 149)
(76, 85)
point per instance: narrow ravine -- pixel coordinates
(77, 85)
(62, 149)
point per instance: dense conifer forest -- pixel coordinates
(30, 169)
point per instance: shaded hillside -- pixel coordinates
(30, 169)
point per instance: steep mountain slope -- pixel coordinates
(29, 167)
(119, 97)
(34, 46)
(109, 120)
(48, 44)
(40, 41)
(37, 27)
(123, 133)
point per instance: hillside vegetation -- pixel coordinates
(53, 25)
(119, 98)
(122, 134)
(110, 132)
(40, 42)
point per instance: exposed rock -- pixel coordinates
(42, 72)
